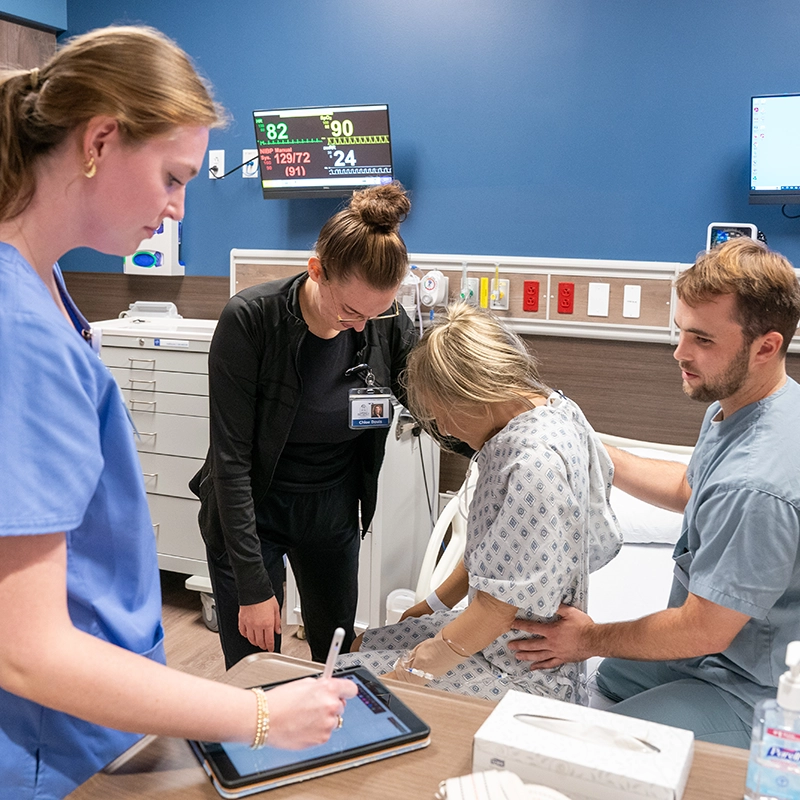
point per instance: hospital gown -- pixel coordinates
(538, 523)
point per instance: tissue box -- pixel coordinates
(586, 753)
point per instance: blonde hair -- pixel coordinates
(763, 282)
(363, 240)
(467, 361)
(134, 74)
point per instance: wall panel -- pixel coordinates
(628, 389)
(23, 47)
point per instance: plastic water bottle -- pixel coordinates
(774, 769)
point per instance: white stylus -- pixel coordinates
(336, 645)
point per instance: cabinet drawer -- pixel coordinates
(171, 434)
(175, 527)
(157, 381)
(169, 475)
(155, 359)
(190, 405)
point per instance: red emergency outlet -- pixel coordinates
(566, 298)
(530, 295)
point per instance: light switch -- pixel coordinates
(598, 299)
(632, 300)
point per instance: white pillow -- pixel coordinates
(643, 523)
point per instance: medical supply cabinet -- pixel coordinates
(162, 368)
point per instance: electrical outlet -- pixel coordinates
(498, 297)
(530, 295)
(566, 298)
(216, 164)
(249, 168)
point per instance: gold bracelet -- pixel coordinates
(262, 721)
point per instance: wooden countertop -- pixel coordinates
(166, 768)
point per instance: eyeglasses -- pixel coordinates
(388, 315)
(360, 317)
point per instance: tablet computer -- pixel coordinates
(375, 725)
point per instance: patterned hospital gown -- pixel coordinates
(538, 523)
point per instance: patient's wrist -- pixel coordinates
(435, 603)
(428, 660)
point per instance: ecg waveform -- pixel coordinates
(359, 170)
(345, 140)
(284, 142)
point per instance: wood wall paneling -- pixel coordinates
(23, 47)
(104, 295)
(628, 389)
(252, 274)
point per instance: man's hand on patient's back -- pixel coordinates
(551, 644)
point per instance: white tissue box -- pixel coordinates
(586, 753)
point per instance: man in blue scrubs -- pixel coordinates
(705, 661)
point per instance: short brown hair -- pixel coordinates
(364, 238)
(763, 282)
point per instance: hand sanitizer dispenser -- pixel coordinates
(774, 769)
(158, 255)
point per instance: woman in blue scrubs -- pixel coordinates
(96, 148)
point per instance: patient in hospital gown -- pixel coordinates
(538, 523)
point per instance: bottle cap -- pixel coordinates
(789, 684)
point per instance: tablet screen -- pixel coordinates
(373, 720)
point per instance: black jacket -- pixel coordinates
(254, 389)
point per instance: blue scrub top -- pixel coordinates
(740, 544)
(68, 464)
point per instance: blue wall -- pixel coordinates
(47, 13)
(564, 128)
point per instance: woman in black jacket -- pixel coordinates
(286, 473)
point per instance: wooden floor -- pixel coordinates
(190, 645)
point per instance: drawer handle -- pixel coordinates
(142, 402)
(150, 475)
(131, 381)
(156, 526)
(143, 360)
(142, 433)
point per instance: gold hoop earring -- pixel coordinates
(90, 168)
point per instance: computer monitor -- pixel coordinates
(775, 149)
(328, 151)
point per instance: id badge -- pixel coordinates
(370, 407)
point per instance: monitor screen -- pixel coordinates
(774, 149)
(322, 152)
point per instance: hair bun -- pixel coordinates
(383, 207)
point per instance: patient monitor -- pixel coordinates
(719, 232)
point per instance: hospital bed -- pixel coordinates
(638, 580)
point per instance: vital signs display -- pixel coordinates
(322, 152)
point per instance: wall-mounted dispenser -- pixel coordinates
(158, 255)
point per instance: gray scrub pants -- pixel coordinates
(654, 691)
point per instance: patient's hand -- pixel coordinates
(419, 610)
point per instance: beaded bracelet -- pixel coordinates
(262, 721)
